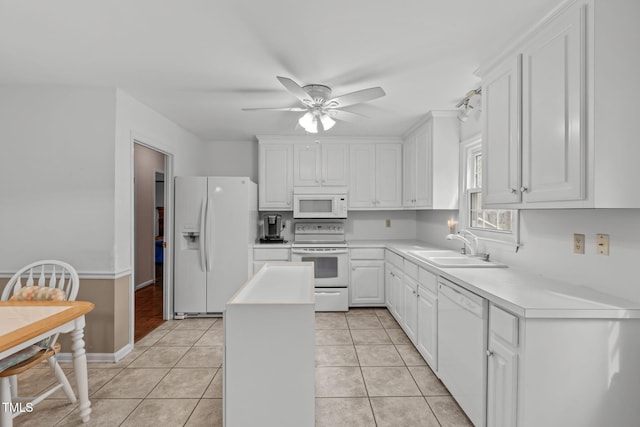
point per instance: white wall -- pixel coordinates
(234, 158)
(57, 176)
(135, 120)
(372, 225)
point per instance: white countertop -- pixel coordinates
(278, 282)
(523, 293)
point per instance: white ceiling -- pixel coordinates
(198, 62)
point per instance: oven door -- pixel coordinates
(330, 265)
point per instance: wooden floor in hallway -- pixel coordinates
(148, 307)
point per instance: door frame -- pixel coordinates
(167, 279)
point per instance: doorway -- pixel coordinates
(149, 239)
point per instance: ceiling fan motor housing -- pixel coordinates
(318, 93)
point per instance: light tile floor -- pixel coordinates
(367, 374)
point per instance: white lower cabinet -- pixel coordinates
(502, 387)
(262, 255)
(393, 285)
(366, 284)
(502, 368)
(427, 333)
(410, 304)
(410, 300)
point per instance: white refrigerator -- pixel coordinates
(216, 222)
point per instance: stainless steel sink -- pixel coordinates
(450, 259)
(425, 253)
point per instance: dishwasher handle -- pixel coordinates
(459, 297)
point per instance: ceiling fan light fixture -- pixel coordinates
(327, 122)
(306, 119)
(312, 127)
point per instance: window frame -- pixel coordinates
(470, 148)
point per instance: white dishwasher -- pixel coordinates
(462, 367)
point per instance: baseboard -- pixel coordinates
(145, 284)
(99, 357)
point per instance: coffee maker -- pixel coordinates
(272, 226)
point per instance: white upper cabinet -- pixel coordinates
(320, 164)
(501, 133)
(558, 112)
(431, 164)
(534, 138)
(375, 175)
(275, 185)
(553, 125)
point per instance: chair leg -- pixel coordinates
(62, 379)
(6, 414)
(13, 383)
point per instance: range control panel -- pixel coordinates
(319, 228)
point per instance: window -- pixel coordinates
(490, 224)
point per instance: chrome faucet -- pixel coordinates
(472, 244)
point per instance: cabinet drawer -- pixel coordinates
(393, 258)
(367, 253)
(428, 280)
(280, 254)
(410, 269)
(503, 325)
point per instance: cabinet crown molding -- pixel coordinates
(515, 45)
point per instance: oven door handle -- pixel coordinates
(323, 252)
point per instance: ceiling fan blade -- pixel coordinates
(345, 116)
(355, 97)
(295, 90)
(295, 109)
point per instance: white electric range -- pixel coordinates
(323, 243)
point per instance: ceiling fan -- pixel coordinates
(319, 106)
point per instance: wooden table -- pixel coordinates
(23, 323)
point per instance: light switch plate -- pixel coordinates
(578, 244)
(388, 223)
(602, 244)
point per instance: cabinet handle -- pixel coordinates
(414, 292)
(524, 189)
(489, 353)
(391, 273)
(514, 190)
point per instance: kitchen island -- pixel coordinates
(269, 352)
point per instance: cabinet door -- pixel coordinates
(553, 125)
(362, 159)
(424, 170)
(501, 152)
(409, 164)
(275, 189)
(388, 286)
(366, 285)
(502, 385)
(306, 164)
(335, 164)
(427, 342)
(393, 291)
(388, 181)
(398, 300)
(410, 303)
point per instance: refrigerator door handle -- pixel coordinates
(209, 231)
(203, 213)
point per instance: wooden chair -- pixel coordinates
(41, 280)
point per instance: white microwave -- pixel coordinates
(320, 202)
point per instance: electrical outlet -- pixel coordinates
(388, 223)
(578, 244)
(602, 244)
